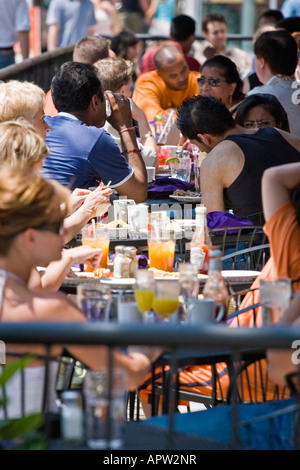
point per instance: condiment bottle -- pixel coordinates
(215, 287)
(72, 417)
(197, 253)
(207, 246)
(130, 253)
(119, 261)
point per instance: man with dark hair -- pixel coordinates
(214, 30)
(269, 17)
(164, 89)
(237, 157)
(81, 153)
(182, 35)
(275, 65)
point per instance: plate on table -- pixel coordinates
(186, 198)
(236, 275)
(80, 277)
(162, 175)
(115, 282)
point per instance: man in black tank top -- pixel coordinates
(232, 171)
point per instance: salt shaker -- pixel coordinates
(119, 261)
(130, 254)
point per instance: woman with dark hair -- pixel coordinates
(262, 110)
(127, 46)
(220, 79)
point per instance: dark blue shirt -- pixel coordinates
(81, 156)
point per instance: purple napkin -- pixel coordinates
(165, 186)
(218, 219)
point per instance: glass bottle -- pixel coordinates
(200, 243)
(207, 246)
(119, 261)
(215, 287)
(72, 417)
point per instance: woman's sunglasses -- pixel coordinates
(212, 81)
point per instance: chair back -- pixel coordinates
(242, 247)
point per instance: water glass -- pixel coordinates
(188, 278)
(105, 406)
(95, 301)
(275, 297)
(181, 170)
(121, 208)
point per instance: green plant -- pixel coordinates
(20, 433)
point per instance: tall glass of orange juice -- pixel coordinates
(161, 251)
(97, 237)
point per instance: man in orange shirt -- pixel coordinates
(164, 89)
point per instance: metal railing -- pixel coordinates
(41, 69)
(171, 337)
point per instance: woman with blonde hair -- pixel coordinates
(21, 148)
(32, 211)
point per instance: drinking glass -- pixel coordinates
(166, 297)
(275, 294)
(94, 301)
(105, 408)
(188, 278)
(181, 170)
(97, 237)
(144, 291)
(161, 254)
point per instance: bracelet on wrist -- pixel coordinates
(148, 134)
(127, 129)
(131, 150)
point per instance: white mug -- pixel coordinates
(204, 311)
(128, 312)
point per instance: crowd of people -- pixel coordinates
(94, 128)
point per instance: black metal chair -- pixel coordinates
(242, 247)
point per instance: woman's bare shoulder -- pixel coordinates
(56, 306)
